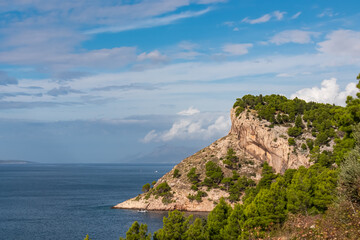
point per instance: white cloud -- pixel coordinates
(189, 112)
(296, 15)
(210, 1)
(265, 18)
(329, 92)
(186, 55)
(154, 56)
(237, 49)
(186, 45)
(284, 75)
(149, 23)
(235, 29)
(293, 36)
(200, 127)
(150, 136)
(279, 15)
(327, 13)
(341, 43)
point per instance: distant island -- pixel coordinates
(15, 162)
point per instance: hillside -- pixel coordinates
(271, 130)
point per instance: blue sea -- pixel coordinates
(68, 201)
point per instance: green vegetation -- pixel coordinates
(292, 142)
(193, 176)
(319, 202)
(146, 188)
(137, 232)
(176, 173)
(214, 175)
(231, 160)
(198, 197)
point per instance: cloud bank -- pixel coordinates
(193, 125)
(329, 92)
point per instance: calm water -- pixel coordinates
(57, 201)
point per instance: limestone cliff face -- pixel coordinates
(266, 144)
(254, 143)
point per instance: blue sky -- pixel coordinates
(112, 81)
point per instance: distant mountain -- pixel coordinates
(165, 154)
(15, 162)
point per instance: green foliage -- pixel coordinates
(349, 176)
(321, 138)
(310, 143)
(298, 122)
(214, 174)
(267, 176)
(137, 232)
(87, 237)
(196, 231)
(311, 190)
(231, 159)
(295, 131)
(198, 197)
(193, 176)
(176, 173)
(162, 189)
(174, 226)
(217, 219)
(292, 142)
(232, 229)
(194, 187)
(303, 146)
(153, 183)
(146, 187)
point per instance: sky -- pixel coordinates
(154, 80)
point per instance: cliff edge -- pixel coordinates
(252, 142)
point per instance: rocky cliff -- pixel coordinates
(254, 141)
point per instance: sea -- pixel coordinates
(68, 201)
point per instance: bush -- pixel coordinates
(310, 143)
(294, 131)
(162, 189)
(303, 146)
(214, 174)
(176, 173)
(193, 176)
(322, 138)
(291, 142)
(349, 176)
(231, 159)
(146, 187)
(194, 187)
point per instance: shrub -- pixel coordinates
(214, 174)
(322, 138)
(231, 159)
(162, 189)
(310, 143)
(303, 146)
(194, 187)
(146, 187)
(291, 142)
(193, 176)
(294, 131)
(176, 173)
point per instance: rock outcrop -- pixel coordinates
(254, 143)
